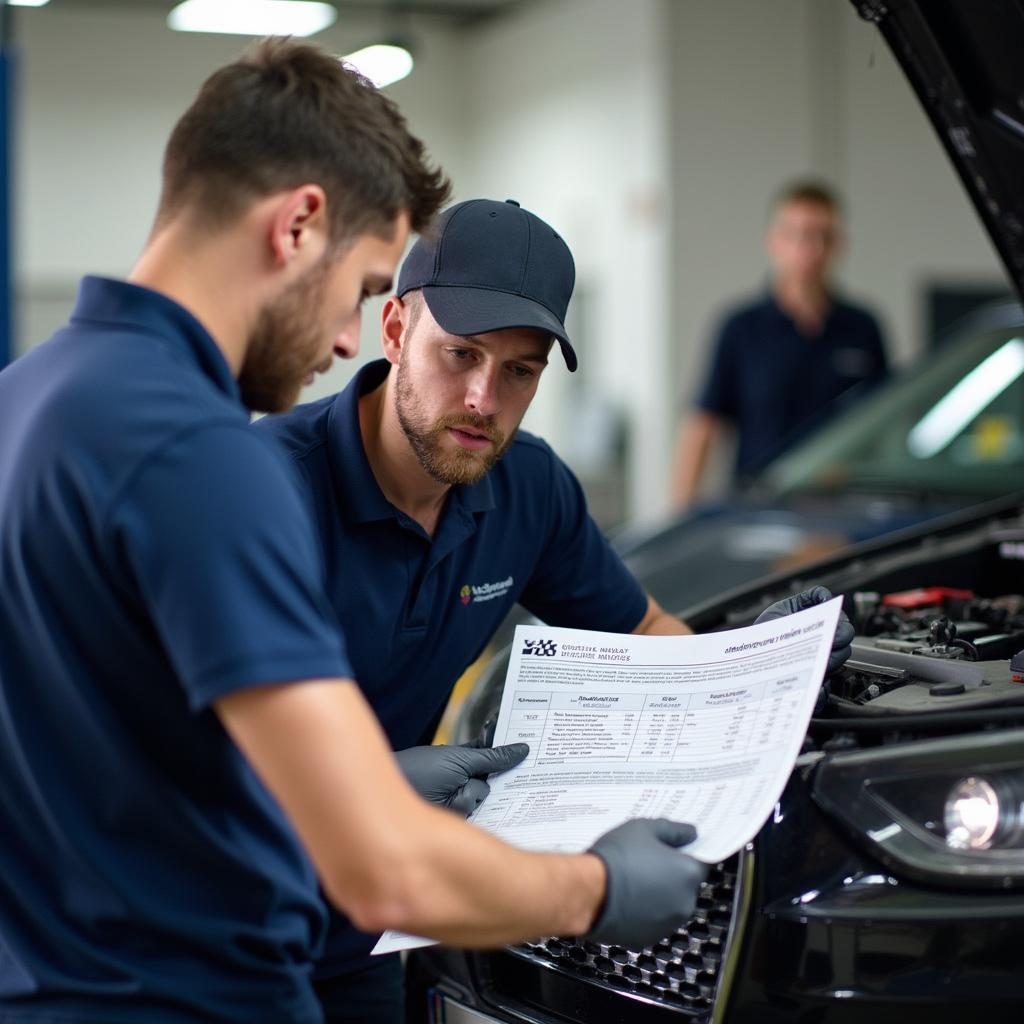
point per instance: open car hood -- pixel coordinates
(964, 61)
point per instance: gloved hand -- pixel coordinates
(841, 648)
(485, 737)
(455, 777)
(652, 886)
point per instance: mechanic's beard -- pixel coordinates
(458, 466)
(284, 345)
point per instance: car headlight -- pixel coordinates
(944, 810)
(981, 814)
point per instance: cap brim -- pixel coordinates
(479, 311)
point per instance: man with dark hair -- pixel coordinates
(183, 752)
(436, 514)
(217, 164)
(781, 364)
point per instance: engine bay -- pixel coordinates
(932, 648)
(939, 622)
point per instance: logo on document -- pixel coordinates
(541, 648)
(474, 593)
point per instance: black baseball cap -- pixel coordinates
(489, 266)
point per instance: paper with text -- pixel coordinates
(703, 729)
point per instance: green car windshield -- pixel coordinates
(954, 425)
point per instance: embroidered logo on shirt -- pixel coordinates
(473, 593)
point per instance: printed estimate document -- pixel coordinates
(703, 729)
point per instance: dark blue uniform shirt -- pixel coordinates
(776, 384)
(154, 556)
(417, 611)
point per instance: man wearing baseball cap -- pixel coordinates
(436, 514)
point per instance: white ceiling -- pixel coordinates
(459, 11)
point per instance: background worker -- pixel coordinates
(436, 514)
(780, 363)
(183, 753)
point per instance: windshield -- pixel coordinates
(954, 424)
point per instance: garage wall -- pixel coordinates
(99, 93)
(762, 92)
(653, 141)
(742, 82)
(568, 112)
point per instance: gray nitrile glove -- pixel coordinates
(485, 737)
(456, 777)
(841, 648)
(652, 885)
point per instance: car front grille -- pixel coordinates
(681, 971)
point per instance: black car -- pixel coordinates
(889, 882)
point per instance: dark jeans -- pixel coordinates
(374, 995)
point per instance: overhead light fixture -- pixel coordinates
(252, 17)
(27, 3)
(382, 63)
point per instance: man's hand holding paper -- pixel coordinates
(701, 729)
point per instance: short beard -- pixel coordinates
(284, 344)
(449, 468)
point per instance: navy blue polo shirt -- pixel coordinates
(776, 384)
(417, 611)
(154, 557)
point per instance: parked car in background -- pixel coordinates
(888, 885)
(944, 435)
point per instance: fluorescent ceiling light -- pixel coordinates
(252, 17)
(27, 3)
(983, 385)
(382, 64)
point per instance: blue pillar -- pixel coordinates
(7, 71)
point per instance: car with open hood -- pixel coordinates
(888, 884)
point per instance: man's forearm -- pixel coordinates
(658, 622)
(386, 858)
(693, 442)
(467, 888)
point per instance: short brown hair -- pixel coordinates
(288, 113)
(414, 302)
(807, 190)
